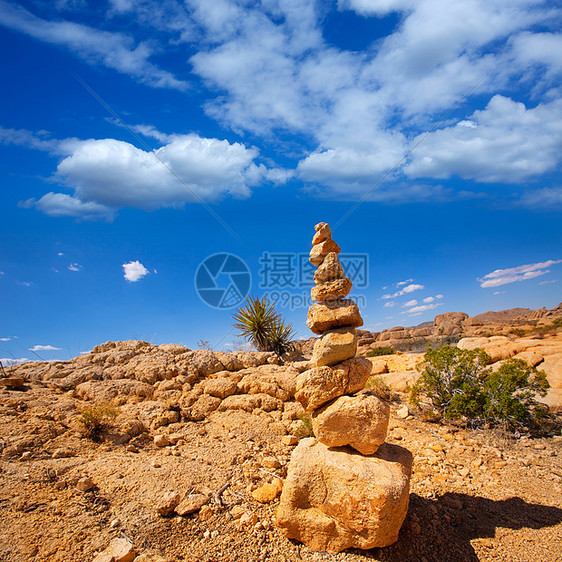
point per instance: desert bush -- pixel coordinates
(97, 419)
(305, 429)
(510, 393)
(458, 385)
(260, 324)
(377, 351)
(379, 388)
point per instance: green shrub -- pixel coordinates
(510, 392)
(377, 351)
(305, 429)
(458, 385)
(97, 419)
(260, 324)
(379, 388)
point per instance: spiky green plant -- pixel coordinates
(260, 324)
(280, 335)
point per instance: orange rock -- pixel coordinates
(333, 500)
(268, 492)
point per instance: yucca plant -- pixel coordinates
(280, 336)
(260, 324)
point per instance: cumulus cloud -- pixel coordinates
(5, 339)
(407, 289)
(44, 348)
(508, 143)
(519, 273)
(272, 71)
(75, 267)
(413, 302)
(107, 174)
(134, 271)
(389, 304)
(63, 205)
(279, 73)
(114, 50)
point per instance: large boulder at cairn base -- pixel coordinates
(333, 314)
(358, 421)
(317, 386)
(334, 347)
(335, 499)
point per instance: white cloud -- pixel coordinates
(548, 282)
(75, 267)
(376, 7)
(26, 283)
(422, 308)
(400, 283)
(540, 50)
(431, 299)
(407, 289)
(413, 302)
(5, 339)
(109, 174)
(63, 205)
(114, 50)
(509, 144)
(519, 273)
(544, 199)
(275, 71)
(10, 361)
(44, 348)
(389, 304)
(498, 292)
(134, 270)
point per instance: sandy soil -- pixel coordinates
(474, 495)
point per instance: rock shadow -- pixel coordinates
(441, 529)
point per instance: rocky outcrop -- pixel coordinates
(345, 488)
(446, 328)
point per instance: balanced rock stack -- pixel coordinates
(346, 487)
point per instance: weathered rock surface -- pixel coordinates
(191, 504)
(330, 270)
(334, 347)
(331, 290)
(323, 232)
(119, 550)
(335, 499)
(321, 250)
(333, 314)
(319, 385)
(359, 421)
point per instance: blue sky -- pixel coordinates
(138, 138)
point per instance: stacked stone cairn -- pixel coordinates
(346, 487)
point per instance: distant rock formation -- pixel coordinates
(450, 327)
(346, 488)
